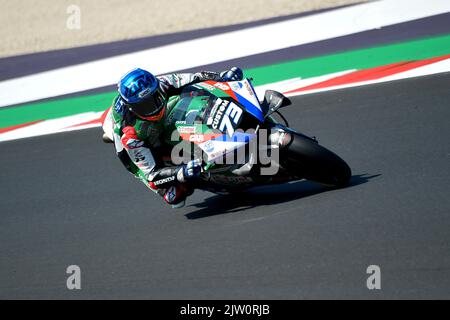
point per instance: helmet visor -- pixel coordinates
(149, 107)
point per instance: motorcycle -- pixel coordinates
(240, 141)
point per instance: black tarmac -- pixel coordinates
(66, 200)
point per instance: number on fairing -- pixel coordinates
(233, 112)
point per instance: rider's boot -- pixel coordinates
(176, 195)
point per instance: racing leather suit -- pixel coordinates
(138, 141)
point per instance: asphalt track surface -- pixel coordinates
(65, 199)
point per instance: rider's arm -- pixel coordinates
(139, 160)
(168, 176)
(133, 153)
(137, 157)
(130, 148)
(172, 83)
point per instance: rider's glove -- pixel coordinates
(234, 74)
(190, 170)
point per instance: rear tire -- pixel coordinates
(307, 158)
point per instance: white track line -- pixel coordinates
(67, 123)
(221, 47)
(51, 126)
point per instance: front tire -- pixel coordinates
(307, 158)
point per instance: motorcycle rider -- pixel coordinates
(136, 119)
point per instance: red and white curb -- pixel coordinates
(354, 78)
(290, 87)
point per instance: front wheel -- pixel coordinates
(305, 157)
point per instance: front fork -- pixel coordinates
(280, 137)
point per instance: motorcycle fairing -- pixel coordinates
(241, 91)
(216, 139)
(219, 146)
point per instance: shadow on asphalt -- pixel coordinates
(265, 195)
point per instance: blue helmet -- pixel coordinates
(141, 92)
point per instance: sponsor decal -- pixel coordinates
(133, 143)
(138, 156)
(210, 119)
(119, 107)
(217, 113)
(186, 129)
(206, 86)
(223, 179)
(196, 138)
(208, 146)
(144, 93)
(222, 86)
(236, 86)
(165, 180)
(249, 88)
(224, 119)
(171, 194)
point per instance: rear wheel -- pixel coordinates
(307, 158)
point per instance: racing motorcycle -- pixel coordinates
(222, 123)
